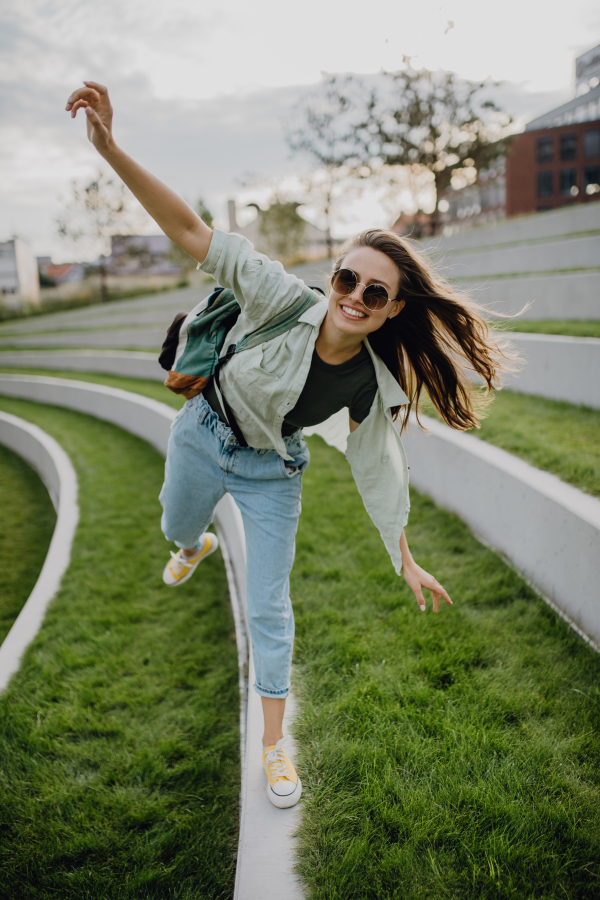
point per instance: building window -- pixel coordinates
(544, 150)
(591, 143)
(568, 182)
(545, 186)
(591, 180)
(568, 146)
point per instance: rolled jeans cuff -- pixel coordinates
(274, 695)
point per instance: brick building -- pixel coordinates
(556, 161)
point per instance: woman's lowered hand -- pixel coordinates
(418, 579)
(94, 100)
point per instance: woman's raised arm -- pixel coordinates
(178, 221)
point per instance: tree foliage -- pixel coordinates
(322, 128)
(430, 122)
(96, 211)
(282, 229)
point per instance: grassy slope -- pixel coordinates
(27, 521)
(120, 772)
(552, 435)
(571, 327)
(455, 756)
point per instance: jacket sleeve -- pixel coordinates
(378, 464)
(261, 286)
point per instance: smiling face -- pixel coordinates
(346, 311)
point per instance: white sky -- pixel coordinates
(200, 88)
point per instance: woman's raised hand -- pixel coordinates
(94, 99)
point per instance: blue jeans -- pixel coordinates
(205, 461)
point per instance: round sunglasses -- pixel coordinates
(374, 297)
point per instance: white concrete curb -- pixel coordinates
(557, 367)
(548, 530)
(48, 458)
(128, 363)
(266, 844)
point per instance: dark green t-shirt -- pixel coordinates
(327, 390)
(330, 388)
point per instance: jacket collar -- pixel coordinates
(391, 392)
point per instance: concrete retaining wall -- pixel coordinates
(266, 843)
(551, 259)
(130, 364)
(48, 458)
(557, 367)
(561, 368)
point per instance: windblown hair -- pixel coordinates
(439, 339)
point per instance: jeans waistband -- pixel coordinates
(207, 416)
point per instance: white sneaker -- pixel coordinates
(284, 788)
(180, 568)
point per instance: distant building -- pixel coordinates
(60, 273)
(556, 161)
(19, 280)
(480, 203)
(312, 244)
(141, 254)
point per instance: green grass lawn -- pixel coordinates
(119, 735)
(451, 756)
(27, 521)
(571, 327)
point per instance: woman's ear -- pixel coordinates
(398, 305)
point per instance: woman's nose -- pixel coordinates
(357, 293)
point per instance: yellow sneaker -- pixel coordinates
(180, 567)
(284, 788)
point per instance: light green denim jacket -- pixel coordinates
(262, 384)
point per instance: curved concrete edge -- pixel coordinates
(48, 458)
(555, 366)
(266, 844)
(128, 363)
(548, 530)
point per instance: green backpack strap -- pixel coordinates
(284, 321)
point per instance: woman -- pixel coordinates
(388, 329)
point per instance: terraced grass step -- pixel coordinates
(27, 520)
(119, 735)
(449, 756)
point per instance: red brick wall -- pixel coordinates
(522, 168)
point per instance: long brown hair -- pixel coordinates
(438, 340)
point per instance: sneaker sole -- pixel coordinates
(288, 800)
(215, 546)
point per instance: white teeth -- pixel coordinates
(354, 312)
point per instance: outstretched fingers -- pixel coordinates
(81, 97)
(437, 592)
(100, 88)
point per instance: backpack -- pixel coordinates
(191, 352)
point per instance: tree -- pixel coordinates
(323, 127)
(432, 121)
(283, 229)
(97, 211)
(179, 256)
